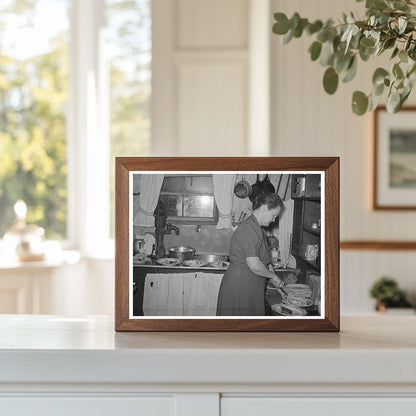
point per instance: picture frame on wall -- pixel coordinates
(227, 244)
(394, 159)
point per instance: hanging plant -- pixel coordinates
(388, 27)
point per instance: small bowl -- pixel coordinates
(194, 263)
(219, 264)
(167, 261)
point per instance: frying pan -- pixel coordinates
(256, 189)
(242, 188)
(267, 186)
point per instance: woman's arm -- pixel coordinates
(259, 269)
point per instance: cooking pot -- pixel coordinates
(182, 253)
(242, 188)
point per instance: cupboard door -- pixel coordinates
(88, 406)
(270, 406)
(297, 227)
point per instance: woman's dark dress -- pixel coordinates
(242, 292)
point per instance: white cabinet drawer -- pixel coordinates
(87, 406)
(272, 406)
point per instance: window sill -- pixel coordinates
(50, 261)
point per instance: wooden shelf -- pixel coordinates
(307, 198)
(312, 231)
(308, 263)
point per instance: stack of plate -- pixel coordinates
(287, 310)
(299, 289)
(298, 295)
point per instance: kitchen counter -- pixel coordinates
(374, 349)
(179, 267)
(54, 363)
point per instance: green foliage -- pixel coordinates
(330, 80)
(33, 95)
(34, 103)
(359, 103)
(315, 50)
(130, 91)
(386, 291)
(389, 25)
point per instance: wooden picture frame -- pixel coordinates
(394, 158)
(327, 167)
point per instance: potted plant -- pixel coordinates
(387, 294)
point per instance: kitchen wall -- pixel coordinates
(305, 121)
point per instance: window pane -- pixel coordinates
(129, 45)
(198, 206)
(200, 184)
(33, 100)
(172, 205)
(173, 184)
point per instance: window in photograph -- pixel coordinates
(189, 199)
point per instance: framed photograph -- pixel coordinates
(227, 244)
(394, 179)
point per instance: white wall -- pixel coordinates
(203, 94)
(308, 122)
(201, 83)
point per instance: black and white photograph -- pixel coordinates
(226, 245)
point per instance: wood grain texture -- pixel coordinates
(376, 205)
(378, 245)
(329, 165)
(121, 244)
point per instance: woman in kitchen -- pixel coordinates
(242, 288)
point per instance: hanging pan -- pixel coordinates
(267, 186)
(242, 188)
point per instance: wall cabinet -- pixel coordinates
(323, 406)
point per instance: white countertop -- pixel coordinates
(46, 349)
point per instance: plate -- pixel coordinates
(297, 287)
(287, 310)
(167, 261)
(194, 263)
(290, 278)
(140, 259)
(219, 264)
(304, 303)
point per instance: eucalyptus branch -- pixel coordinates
(388, 26)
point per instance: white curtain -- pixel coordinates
(181, 294)
(201, 294)
(149, 196)
(285, 230)
(223, 192)
(163, 294)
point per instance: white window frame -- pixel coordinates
(88, 137)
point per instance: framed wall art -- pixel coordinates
(394, 149)
(227, 244)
